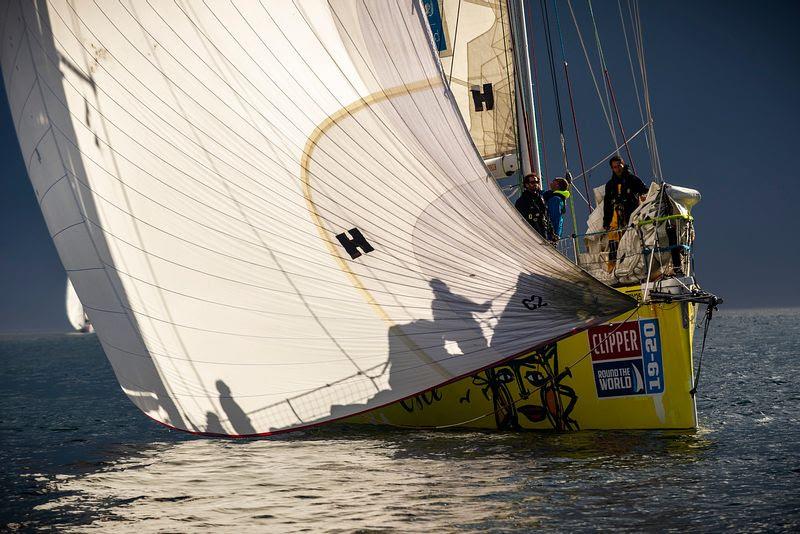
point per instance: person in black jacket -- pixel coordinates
(531, 205)
(623, 193)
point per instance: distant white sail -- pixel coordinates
(473, 38)
(273, 211)
(75, 314)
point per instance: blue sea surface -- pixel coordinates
(76, 455)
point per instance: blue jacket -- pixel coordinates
(556, 208)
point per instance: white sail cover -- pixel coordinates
(195, 163)
(75, 314)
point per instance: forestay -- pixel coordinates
(273, 212)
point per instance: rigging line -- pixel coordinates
(609, 88)
(636, 23)
(646, 90)
(619, 119)
(554, 80)
(539, 107)
(712, 305)
(601, 56)
(630, 60)
(455, 41)
(594, 77)
(633, 78)
(572, 108)
(615, 151)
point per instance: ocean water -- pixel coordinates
(77, 456)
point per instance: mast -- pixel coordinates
(526, 118)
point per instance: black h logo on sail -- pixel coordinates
(358, 241)
(485, 100)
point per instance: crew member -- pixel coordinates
(556, 201)
(623, 193)
(531, 205)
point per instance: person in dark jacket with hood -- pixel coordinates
(531, 206)
(623, 193)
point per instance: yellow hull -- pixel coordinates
(633, 372)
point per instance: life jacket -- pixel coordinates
(565, 195)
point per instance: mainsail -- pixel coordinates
(75, 314)
(273, 211)
(473, 39)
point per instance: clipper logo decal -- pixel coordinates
(627, 359)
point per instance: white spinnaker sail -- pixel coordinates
(75, 314)
(195, 163)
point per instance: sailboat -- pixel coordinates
(75, 314)
(281, 214)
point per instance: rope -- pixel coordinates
(712, 306)
(619, 119)
(615, 151)
(630, 62)
(639, 41)
(609, 88)
(539, 111)
(572, 109)
(594, 77)
(455, 40)
(554, 80)
(601, 56)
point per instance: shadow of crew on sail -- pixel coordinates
(538, 301)
(213, 424)
(236, 417)
(453, 314)
(453, 332)
(526, 323)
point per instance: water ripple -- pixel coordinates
(91, 462)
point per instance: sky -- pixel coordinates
(723, 78)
